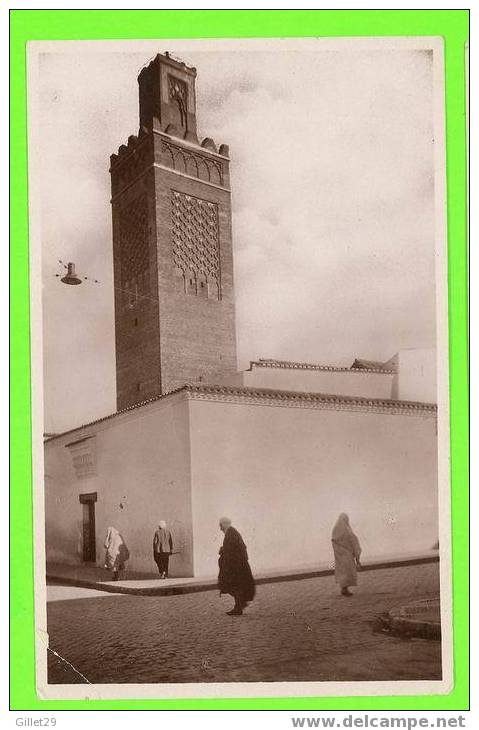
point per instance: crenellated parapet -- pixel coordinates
(131, 161)
(134, 158)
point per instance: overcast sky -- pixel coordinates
(333, 205)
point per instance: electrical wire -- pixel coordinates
(130, 293)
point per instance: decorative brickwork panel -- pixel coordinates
(134, 250)
(83, 455)
(195, 240)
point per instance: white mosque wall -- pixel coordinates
(138, 463)
(346, 382)
(284, 474)
(416, 376)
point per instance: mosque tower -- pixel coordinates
(172, 244)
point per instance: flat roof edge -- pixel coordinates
(292, 365)
(225, 393)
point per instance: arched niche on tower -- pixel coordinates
(180, 283)
(203, 171)
(213, 289)
(202, 286)
(168, 157)
(178, 96)
(190, 282)
(215, 175)
(191, 166)
(180, 162)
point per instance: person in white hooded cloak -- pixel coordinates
(347, 553)
(117, 552)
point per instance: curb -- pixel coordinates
(405, 621)
(418, 629)
(211, 584)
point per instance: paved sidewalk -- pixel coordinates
(87, 573)
(148, 584)
(58, 592)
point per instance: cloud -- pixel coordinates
(333, 210)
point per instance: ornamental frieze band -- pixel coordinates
(192, 163)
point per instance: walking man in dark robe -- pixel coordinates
(162, 548)
(235, 575)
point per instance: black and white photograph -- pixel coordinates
(240, 367)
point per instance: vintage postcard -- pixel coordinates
(240, 367)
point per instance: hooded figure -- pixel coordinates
(347, 552)
(117, 552)
(235, 575)
(162, 548)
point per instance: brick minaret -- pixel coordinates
(172, 249)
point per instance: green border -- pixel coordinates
(121, 24)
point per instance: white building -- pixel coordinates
(282, 448)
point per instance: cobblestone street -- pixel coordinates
(293, 631)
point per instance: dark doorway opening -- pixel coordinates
(89, 537)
